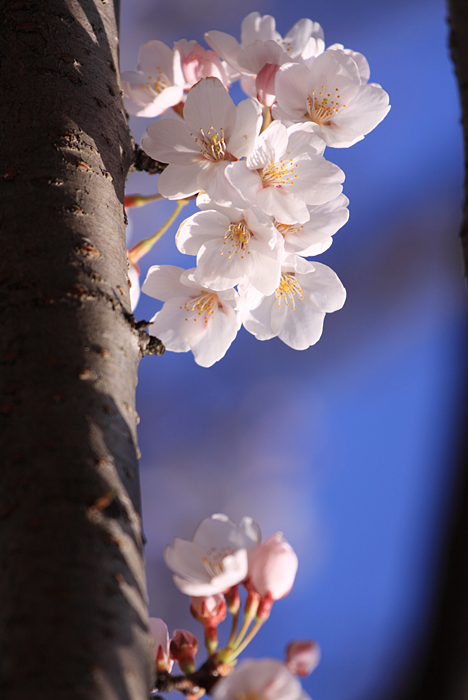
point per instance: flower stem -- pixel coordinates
(266, 118)
(235, 620)
(258, 623)
(138, 200)
(144, 246)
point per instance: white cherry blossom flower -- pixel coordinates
(285, 172)
(215, 559)
(160, 637)
(193, 317)
(231, 244)
(315, 236)
(272, 567)
(198, 150)
(259, 679)
(157, 84)
(330, 95)
(296, 310)
(262, 46)
(197, 63)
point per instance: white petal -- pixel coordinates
(200, 228)
(219, 333)
(209, 108)
(258, 320)
(163, 282)
(283, 205)
(291, 89)
(156, 57)
(270, 146)
(169, 141)
(179, 181)
(368, 108)
(248, 123)
(225, 45)
(323, 288)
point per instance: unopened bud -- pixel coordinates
(272, 567)
(302, 657)
(209, 610)
(233, 600)
(184, 646)
(160, 636)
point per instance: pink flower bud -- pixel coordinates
(160, 635)
(302, 657)
(209, 610)
(272, 567)
(265, 84)
(184, 646)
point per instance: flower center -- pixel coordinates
(322, 108)
(279, 174)
(213, 560)
(212, 145)
(204, 305)
(287, 290)
(288, 229)
(157, 84)
(237, 237)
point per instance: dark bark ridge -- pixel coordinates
(72, 588)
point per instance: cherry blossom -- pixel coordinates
(302, 657)
(331, 95)
(158, 82)
(262, 47)
(209, 610)
(286, 172)
(198, 150)
(259, 679)
(197, 63)
(193, 317)
(272, 567)
(215, 559)
(231, 244)
(160, 637)
(183, 648)
(315, 236)
(296, 310)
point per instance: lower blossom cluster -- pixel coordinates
(210, 568)
(267, 197)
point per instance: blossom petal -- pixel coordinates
(163, 282)
(169, 141)
(209, 108)
(179, 181)
(248, 123)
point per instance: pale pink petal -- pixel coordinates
(156, 58)
(179, 181)
(368, 108)
(225, 46)
(219, 333)
(323, 287)
(291, 88)
(199, 229)
(282, 205)
(169, 141)
(256, 26)
(209, 108)
(247, 128)
(273, 566)
(270, 146)
(163, 282)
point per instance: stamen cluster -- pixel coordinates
(267, 197)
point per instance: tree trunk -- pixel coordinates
(72, 587)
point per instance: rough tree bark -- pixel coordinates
(72, 586)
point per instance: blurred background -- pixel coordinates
(349, 447)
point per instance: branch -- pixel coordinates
(144, 162)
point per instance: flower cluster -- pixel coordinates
(268, 199)
(210, 568)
